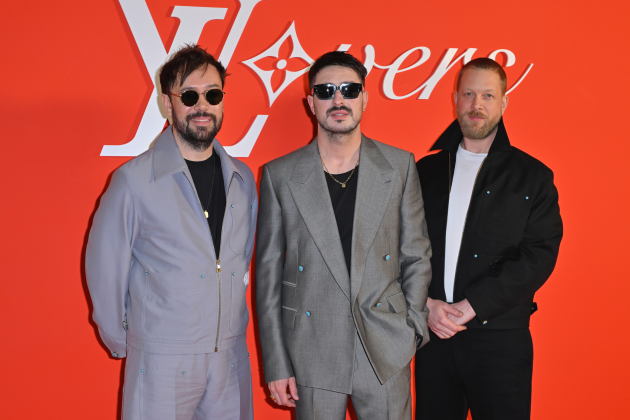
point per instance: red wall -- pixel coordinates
(74, 80)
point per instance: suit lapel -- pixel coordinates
(310, 194)
(373, 193)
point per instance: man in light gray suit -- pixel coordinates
(168, 258)
(342, 262)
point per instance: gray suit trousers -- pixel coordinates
(370, 399)
(188, 386)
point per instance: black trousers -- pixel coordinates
(486, 371)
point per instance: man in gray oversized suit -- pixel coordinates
(168, 258)
(342, 262)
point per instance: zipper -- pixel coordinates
(216, 341)
(465, 220)
(227, 194)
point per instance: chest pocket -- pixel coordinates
(241, 214)
(503, 216)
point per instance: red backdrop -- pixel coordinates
(74, 80)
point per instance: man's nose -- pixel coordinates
(202, 103)
(338, 98)
(476, 103)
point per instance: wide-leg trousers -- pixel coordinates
(370, 399)
(188, 386)
(486, 371)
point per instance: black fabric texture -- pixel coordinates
(486, 371)
(202, 174)
(343, 201)
(512, 234)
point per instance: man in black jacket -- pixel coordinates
(495, 228)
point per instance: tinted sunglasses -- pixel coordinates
(348, 90)
(191, 97)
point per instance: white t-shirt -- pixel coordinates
(467, 166)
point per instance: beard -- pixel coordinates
(338, 131)
(198, 138)
(477, 132)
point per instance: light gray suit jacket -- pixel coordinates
(309, 309)
(150, 261)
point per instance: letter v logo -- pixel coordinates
(192, 21)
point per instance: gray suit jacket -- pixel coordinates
(150, 261)
(309, 309)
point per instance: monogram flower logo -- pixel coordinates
(276, 67)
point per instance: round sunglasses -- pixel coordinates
(348, 90)
(191, 97)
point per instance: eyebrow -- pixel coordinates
(213, 85)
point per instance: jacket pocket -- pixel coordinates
(503, 216)
(239, 317)
(173, 305)
(397, 303)
(289, 310)
(241, 214)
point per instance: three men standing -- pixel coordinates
(168, 258)
(342, 261)
(495, 228)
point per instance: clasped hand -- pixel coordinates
(446, 320)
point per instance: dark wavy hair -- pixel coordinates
(336, 58)
(483, 63)
(185, 61)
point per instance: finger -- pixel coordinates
(449, 325)
(283, 397)
(293, 389)
(451, 310)
(273, 392)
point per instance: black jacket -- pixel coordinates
(512, 232)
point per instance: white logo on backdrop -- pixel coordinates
(192, 21)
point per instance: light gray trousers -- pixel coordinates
(370, 399)
(188, 386)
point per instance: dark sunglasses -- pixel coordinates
(348, 90)
(191, 97)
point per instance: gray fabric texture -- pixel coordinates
(370, 399)
(150, 262)
(188, 386)
(309, 309)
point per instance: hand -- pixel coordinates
(467, 310)
(441, 316)
(279, 394)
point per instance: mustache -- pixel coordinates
(338, 108)
(477, 114)
(200, 114)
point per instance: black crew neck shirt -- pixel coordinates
(211, 198)
(343, 201)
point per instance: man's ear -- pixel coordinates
(455, 97)
(365, 99)
(168, 105)
(504, 103)
(311, 104)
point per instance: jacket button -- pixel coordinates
(232, 205)
(142, 370)
(203, 276)
(488, 193)
(308, 313)
(233, 273)
(252, 206)
(526, 198)
(301, 268)
(378, 304)
(115, 354)
(485, 322)
(146, 274)
(475, 255)
(387, 257)
(184, 372)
